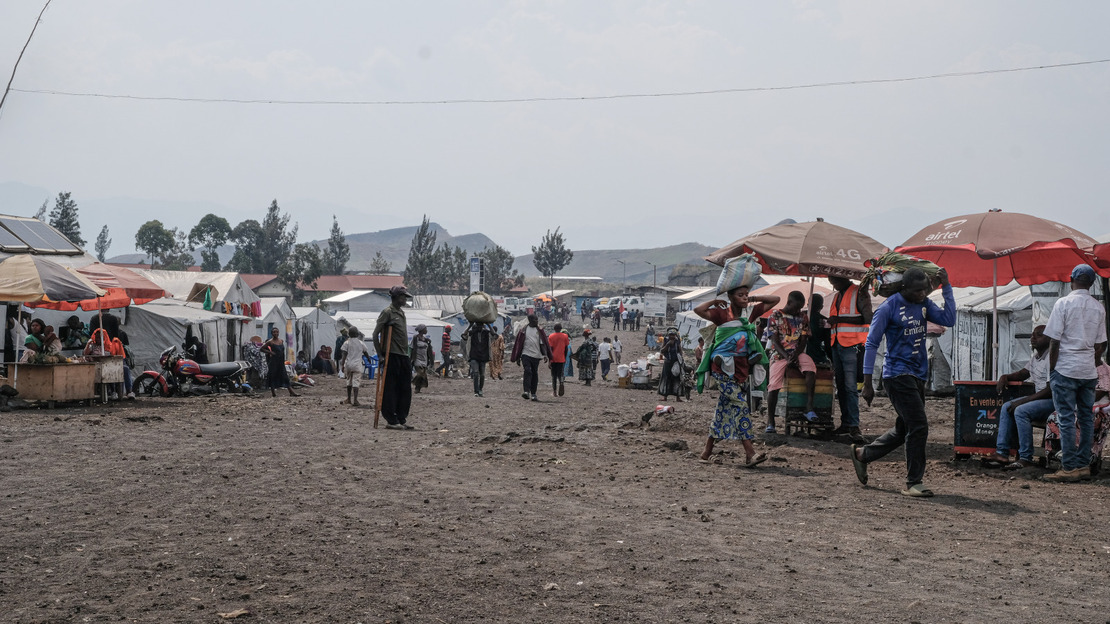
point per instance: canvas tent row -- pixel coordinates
(315, 329)
(366, 321)
(154, 326)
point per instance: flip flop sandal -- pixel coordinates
(861, 468)
(755, 460)
(811, 416)
(917, 491)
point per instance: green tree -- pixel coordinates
(178, 257)
(302, 268)
(40, 214)
(64, 219)
(338, 252)
(551, 256)
(500, 273)
(277, 239)
(420, 271)
(155, 240)
(209, 234)
(452, 271)
(379, 265)
(103, 243)
(247, 237)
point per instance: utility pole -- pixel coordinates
(653, 286)
(624, 273)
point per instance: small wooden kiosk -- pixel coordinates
(55, 382)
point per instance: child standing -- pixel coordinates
(351, 364)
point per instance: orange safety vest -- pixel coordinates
(851, 331)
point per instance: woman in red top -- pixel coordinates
(731, 422)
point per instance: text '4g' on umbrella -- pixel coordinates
(809, 248)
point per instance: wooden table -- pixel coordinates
(55, 382)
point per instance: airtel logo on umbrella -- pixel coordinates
(947, 234)
(824, 252)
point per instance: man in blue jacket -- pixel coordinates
(902, 319)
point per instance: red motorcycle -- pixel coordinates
(180, 375)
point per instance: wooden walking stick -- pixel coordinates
(381, 377)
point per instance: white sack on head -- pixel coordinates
(742, 270)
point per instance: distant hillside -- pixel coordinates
(394, 245)
(636, 270)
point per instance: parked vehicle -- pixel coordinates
(632, 303)
(180, 375)
(514, 306)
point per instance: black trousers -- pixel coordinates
(911, 428)
(397, 390)
(531, 373)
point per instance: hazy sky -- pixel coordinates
(886, 159)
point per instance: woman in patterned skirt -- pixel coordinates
(731, 422)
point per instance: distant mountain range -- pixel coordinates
(394, 245)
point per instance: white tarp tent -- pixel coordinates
(359, 301)
(315, 329)
(154, 326)
(277, 313)
(966, 350)
(366, 321)
(229, 286)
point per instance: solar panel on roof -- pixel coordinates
(38, 236)
(11, 242)
(52, 237)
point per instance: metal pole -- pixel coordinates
(994, 321)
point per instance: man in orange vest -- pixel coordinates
(849, 320)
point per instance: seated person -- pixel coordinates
(40, 340)
(196, 350)
(73, 334)
(1017, 416)
(788, 333)
(301, 366)
(322, 363)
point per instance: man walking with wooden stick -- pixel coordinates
(395, 381)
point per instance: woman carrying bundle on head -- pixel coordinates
(735, 350)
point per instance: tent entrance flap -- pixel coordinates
(200, 291)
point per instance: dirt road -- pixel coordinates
(498, 509)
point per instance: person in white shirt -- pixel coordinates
(351, 364)
(1077, 328)
(604, 357)
(617, 350)
(1017, 416)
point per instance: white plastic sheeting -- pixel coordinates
(229, 286)
(315, 329)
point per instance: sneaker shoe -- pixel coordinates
(391, 426)
(407, 426)
(130, 396)
(842, 430)
(1068, 476)
(534, 398)
(855, 435)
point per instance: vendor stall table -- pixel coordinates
(55, 382)
(109, 371)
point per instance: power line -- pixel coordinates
(20, 57)
(583, 98)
